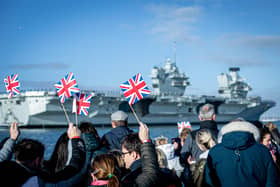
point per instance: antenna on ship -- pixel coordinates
(175, 52)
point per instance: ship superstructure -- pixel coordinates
(167, 104)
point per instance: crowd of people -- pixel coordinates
(239, 154)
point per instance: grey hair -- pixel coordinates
(206, 112)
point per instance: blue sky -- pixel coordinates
(104, 43)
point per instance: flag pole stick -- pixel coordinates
(76, 118)
(65, 113)
(134, 114)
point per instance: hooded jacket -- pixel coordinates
(238, 160)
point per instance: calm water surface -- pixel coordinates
(49, 136)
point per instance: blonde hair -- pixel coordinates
(161, 140)
(184, 134)
(204, 138)
(161, 158)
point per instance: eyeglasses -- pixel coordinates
(125, 153)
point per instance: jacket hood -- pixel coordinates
(238, 140)
(239, 126)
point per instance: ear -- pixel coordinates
(37, 162)
(113, 124)
(199, 118)
(135, 155)
(213, 117)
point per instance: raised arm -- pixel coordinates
(150, 168)
(7, 149)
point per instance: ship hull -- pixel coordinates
(46, 111)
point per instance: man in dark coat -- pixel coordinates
(119, 130)
(238, 160)
(140, 158)
(190, 147)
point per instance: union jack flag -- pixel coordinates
(182, 125)
(12, 85)
(135, 89)
(83, 104)
(66, 87)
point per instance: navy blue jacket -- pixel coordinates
(114, 137)
(240, 161)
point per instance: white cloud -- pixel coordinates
(253, 41)
(51, 65)
(174, 22)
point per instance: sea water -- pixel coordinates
(49, 136)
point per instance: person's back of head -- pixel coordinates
(29, 152)
(59, 156)
(184, 134)
(161, 140)
(207, 112)
(257, 123)
(119, 118)
(87, 127)
(161, 158)
(104, 167)
(204, 139)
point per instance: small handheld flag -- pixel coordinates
(135, 89)
(12, 85)
(83, 104)
(76, 97)
(182, 125)
(66, 87)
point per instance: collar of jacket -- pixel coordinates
(209, 124)
(136, 164)
(242, 126)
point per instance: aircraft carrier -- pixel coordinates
(165, 106)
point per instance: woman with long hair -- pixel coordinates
(59, 156)
(105, 172)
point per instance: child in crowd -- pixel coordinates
(105, 172)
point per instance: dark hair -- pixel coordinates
(105, 168)
(118, 156)
(131, 142)
(257, 123)
(87, 127)
(59, 155)
(28, 150)
(263, 132)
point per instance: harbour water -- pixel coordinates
(49, 136)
